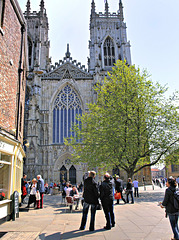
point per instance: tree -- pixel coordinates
(132, 125)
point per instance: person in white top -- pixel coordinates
(68, 190)
(32, 197)
(136, 188)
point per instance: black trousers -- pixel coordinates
(109, 213)
(136, 192)
(32, 199)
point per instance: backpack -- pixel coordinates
(176, 198)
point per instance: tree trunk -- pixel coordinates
(130, 173)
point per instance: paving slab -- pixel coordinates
(143, 220)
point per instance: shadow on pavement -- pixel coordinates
(79, 233)
(55, 236)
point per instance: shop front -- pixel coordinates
(11, 169)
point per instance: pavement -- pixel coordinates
(143, 220)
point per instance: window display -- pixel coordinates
(5, 169)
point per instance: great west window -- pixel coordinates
(67, 107)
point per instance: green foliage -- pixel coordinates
(132, 124)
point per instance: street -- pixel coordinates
(139, 221)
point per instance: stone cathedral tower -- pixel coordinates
(57, 93)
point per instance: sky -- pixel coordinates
(152, 29)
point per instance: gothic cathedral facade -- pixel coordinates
(56, 94)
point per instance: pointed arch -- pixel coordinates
(66, 107)
(63, 173)
(72, 175)
(30, 50)
(109, 52)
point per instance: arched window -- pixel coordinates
(30, 51)
(72, 175)
(109, 52)
(2, 4)
(66, 107)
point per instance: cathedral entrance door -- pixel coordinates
(63, 173)
(72, 175)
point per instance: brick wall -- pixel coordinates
(10, 44)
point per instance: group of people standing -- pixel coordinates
(36, 191)
(92, 194)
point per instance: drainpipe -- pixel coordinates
(20, 70)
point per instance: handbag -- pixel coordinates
(117, 195)
(37, 196)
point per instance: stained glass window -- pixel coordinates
(109, 52)
(66, 107)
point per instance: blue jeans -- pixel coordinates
(174, 224)
(85, 215)
(132, 197)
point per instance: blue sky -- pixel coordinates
(152, 29)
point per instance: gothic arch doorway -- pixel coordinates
(63, 173)
(72, 175)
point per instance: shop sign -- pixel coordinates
(15, 205)
(6, 147)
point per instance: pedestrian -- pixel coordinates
(75, 195)
(119, 188)
(46, 188)
(136, 188)
(106, 196)
(41, 190)
(23, 187)
(177, 180)
(33, 191)
(90, 196)
(168, 203)
(129, 191)
(68, 189)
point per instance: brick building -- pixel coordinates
(13, 67)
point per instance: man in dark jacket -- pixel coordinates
(106, 196)
(119, 187)
(90, 196)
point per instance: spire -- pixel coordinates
(28, 7)
(121, 11)
(92, 7)
(106, 8)
(68, 52)
(42, 5)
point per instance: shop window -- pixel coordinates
(2, 3)
(5, 173)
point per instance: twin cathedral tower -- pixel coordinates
(55, 94)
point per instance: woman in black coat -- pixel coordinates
(168, 203)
